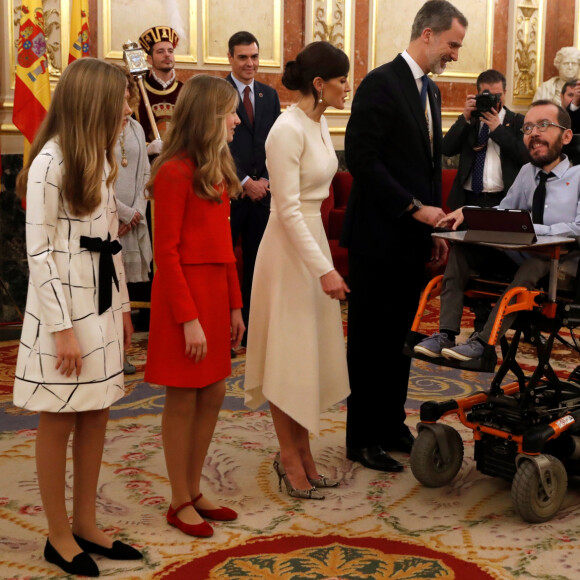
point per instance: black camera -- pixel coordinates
(485, 102)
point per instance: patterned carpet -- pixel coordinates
(374, 526)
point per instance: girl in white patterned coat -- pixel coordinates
(77, 320)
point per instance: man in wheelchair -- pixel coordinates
(548, 187)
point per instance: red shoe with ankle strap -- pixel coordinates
(222, 514)
(203, 530)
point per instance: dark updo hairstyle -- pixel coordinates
(318, 59)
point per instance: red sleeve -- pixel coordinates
(234, 286)
(173, 184)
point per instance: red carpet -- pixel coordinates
(289, 557)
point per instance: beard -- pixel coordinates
(553, 152)
(436, 67)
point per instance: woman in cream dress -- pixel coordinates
(296, 356)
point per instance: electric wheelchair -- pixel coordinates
(526, 431)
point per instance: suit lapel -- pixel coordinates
(258, 102)
(473, 134)
(413, 98)
(508, 120)
(436, 119)
(244, 116)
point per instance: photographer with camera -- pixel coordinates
(489, 140)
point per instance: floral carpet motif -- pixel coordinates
(471, 519)
(375, 525)
(326, 557)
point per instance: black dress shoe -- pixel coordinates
(404, 443)
(81, 565)
(118, 551)
(374, 458)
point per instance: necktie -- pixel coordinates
(479, 161)
(248, 105)
(424, 86)
(539, 200)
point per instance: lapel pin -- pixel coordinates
(260, 95)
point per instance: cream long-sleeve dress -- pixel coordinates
(63, 293)
(296, 355)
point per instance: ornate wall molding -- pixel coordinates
(204, 28)
(389, 36)
(219, 21)
(333, 21)
(577, 24)
(330, 20)
(127, 20)
(528, 54)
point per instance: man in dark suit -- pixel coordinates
(491, 147)
(568, 92)
(393, 150)
(572, 103)
(259, 107)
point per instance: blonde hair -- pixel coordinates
(198, 132)
(85, 117)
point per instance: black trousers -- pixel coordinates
(248, 220)
(382, 304)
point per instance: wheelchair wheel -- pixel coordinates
(530, 499)
(427, 463)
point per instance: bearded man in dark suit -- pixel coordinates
(259, 107)
(393, 150)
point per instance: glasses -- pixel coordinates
(542, 127)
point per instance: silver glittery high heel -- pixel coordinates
(311, 493)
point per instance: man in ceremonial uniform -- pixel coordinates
(162, 86)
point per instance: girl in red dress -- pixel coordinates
(196, 302)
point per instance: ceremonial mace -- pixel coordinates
(136, 61)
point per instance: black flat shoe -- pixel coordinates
(118, 551)
(374, 458)
(404, 444)
(81, 565)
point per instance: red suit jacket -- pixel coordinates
(189, 230)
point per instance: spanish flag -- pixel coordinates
(79, 30)
(32, 87)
